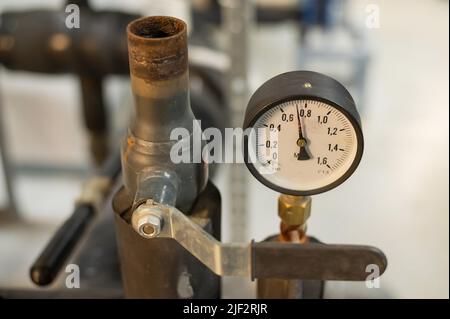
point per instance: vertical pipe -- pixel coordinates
(158, 57)
(160, 267)
(157, 48)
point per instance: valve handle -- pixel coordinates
(316, 261)
(265, 259)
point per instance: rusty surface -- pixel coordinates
(157, 48)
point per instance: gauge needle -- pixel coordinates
(301, 142)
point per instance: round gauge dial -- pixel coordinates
(305, 141)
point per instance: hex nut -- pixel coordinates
(294, 210)
(147, 220)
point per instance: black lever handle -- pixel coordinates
(315, 261)
(47, 266)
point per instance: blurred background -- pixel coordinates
(393, 56)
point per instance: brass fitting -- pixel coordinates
(294, 210)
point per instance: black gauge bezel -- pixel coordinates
(359, 152)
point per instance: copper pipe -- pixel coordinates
(293, 234)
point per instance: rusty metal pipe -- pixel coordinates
(158, 57)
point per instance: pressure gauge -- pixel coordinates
(305, 135)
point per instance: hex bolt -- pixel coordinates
(147, 220)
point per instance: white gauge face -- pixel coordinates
(303, 145)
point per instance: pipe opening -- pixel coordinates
(157, 27)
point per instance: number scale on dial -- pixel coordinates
(308, 139)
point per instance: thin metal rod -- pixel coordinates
(237, 20)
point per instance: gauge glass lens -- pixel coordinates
(303, 145)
